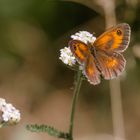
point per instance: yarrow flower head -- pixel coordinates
(9, 114)
(66, 55)
(84, 36)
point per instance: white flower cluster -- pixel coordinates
(66, 55)
(84, 36)
(10, 115)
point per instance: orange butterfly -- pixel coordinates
(104, 56)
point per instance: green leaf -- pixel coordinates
(49, 129)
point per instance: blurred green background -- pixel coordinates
(34, 79)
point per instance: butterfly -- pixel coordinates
(104, 56)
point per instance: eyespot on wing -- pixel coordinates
(115, 39)
(80, 50)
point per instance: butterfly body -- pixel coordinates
(104, 56)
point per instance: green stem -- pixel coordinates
(74, 101)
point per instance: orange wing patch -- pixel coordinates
(91, 71)
(79, 54)
(111, 62)
(112, 65)
(115, 39)
(80, 50)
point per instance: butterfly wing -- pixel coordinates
(109, 47)
(83, 55)
(115, 39)
(91, 71)
(80, 50)
(110, 65)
